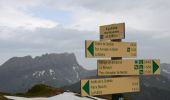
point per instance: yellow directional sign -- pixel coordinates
(112, 31)
(128, 67)
(109, 85)
(106, 49)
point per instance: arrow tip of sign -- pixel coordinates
(91, 48)
(86, 87)
(155, 66)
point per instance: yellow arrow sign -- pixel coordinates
(110, 49)
(128, 67)
(109, 85)
(112, 31)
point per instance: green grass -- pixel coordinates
(3, 98)
(41, 90)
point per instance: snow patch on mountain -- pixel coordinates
(38, 73)
(165, 71)
(51, 71)
(75, 68)
(42, 73)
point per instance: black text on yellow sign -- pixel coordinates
(112, 31)
(128, 67)
(109, 86)
(106, 49)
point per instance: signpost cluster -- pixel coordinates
(125, 72)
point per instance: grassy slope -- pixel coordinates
(2, 96)
(41, 90)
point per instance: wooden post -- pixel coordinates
(117, 96)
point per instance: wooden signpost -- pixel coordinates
(112, 31)
(128, 67)
(110, 49)
(109, 85)
(116, 49)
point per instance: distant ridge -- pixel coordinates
(18, 74)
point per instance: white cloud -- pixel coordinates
(151, 16)
(88, 15)
(23, 32)
(13, 16)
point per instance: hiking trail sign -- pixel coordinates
(109, 85)
(105, 49)
(128, 67)
(112, 31)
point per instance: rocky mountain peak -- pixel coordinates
(20, 73)
(19, 61)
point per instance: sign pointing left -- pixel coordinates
(91, 48)
(115, 85)
(107, 49)
(86, 88)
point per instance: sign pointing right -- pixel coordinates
(155, 66)
(128, 67)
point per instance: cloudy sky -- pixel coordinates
(35, 27)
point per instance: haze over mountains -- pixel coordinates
(18, 74)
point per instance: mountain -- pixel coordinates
(18, 74)
(152, 88)
(150, 93)
(165, 70)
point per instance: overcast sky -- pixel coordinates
(36, 27)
